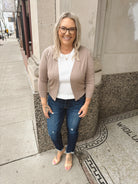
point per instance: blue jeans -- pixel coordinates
(70, 108)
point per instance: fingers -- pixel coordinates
(82, 115)
(46, 114)
(47, 110)
(83, 111)
(80, 111)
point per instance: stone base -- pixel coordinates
(119, 94)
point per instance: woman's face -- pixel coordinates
(67, 37)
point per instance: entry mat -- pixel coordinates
(110, 157)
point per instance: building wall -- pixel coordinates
(43, 20)
(35, 31)
(46, 22)
(120, 46)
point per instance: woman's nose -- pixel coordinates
(67, 32)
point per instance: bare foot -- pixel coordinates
(57, 159)
(68, 162)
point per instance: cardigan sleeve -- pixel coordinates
(89, 77)
(42, 81)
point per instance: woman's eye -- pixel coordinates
(63, 28)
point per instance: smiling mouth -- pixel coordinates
(67, 38)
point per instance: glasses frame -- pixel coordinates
(68, 29)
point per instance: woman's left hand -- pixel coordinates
(83, 111)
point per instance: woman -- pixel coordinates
(66, 69)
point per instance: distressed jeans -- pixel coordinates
(62, 108)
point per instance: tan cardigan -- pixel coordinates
(82, 75)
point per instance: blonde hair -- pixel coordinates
(76, 43)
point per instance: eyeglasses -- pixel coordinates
(71, 30)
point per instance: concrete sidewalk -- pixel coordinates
(111, 156)
(20, 162)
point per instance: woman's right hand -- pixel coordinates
(47, 110)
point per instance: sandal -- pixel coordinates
(68, 163)
(55, 161)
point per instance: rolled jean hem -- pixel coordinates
(72, 152)
(59, 149)
(69, 152)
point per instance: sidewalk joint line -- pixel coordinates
(6, 163)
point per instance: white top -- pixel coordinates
(65, 65)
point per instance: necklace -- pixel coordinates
(68, 56)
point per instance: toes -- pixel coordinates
(68, 168)
(54, 162)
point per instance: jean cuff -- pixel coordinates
(59, 149)
(69, 152)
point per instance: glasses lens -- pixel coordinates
(63, 30)
(72, 30)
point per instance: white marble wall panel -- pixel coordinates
(119, 63)
(46, 22)
(43, 20)
(120, 45)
